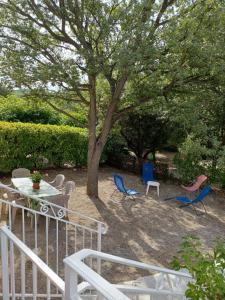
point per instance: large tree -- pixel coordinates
(60, 48)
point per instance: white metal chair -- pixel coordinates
(58, 181)
(69, 187)
(20, 173)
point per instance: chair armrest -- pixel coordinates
(51, 181)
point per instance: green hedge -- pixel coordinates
(32, 145)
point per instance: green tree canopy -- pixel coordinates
(59, 49)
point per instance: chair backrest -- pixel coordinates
(197, 184)
(20, 173)
(58, 181)
(147, 172)
(10, 194)
(204, 192)
(201, 179)
(69, 187)
(119, 184)
(60, 200)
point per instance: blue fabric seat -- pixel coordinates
(201, 196)
(120, 187)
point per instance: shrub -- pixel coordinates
(14, 109)
(188, 160)
(115, 150)
(31, 145)
(144, 133)
(207, 270)
(196, 157)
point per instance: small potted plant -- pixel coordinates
(36, 178)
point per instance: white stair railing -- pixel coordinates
(75, 266)
(9, 243)
(81, 282)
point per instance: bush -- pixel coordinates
(14, 109)
(207, 270)
(144, 133)
(115, 150)
(31, 146)
(196, 157)
(188, 160)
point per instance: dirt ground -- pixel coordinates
(147, 229)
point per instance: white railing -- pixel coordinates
(10, 243)
(75, 266)
(52, 236)
(81, 282)
(51, 209)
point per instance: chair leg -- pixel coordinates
(14, 211)
(113, 193)
(147, 189)
(184, 205)
(158, 190)
(197, 214)
(203, 207)
(170, 198)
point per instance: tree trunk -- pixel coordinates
(96, 143)
(154, 156)
(92, 173)
(140, 161)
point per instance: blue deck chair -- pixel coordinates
(120, 187)
(147, 172)
(201, 196)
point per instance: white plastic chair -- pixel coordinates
(11, 196)
(58, 181)
(21, 173)
(60, 200)
(69, 187)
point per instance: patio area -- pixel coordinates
(147, 229)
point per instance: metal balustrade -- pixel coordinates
(52, 236)
(81, 281)
(94, 284)
(10, 243)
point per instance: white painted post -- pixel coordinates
(71, 284)
(5, 269)
(99, 247)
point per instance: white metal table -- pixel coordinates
(25, 185)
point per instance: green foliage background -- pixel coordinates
(39, 146)
(15, 109)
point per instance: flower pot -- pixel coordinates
(36, 185)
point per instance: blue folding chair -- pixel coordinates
(120, 187)
(199, 199)
(147, 172)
